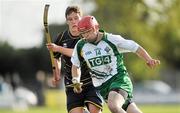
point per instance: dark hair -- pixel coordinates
(71, 9)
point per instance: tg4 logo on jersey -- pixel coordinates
(101, 60)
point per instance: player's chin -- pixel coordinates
(75, 27)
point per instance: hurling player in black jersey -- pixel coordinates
(63, 48)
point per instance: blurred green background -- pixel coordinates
(154, 24)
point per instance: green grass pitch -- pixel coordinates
(56, 104)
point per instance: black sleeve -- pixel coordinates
(58, 41)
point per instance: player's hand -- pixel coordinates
(56, 78)
(77, 86)
(53, 47)
(152, 63)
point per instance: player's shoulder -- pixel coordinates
(62, 34)
(80, 44)
(114, 37)
(59, 37)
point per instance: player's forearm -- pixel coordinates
(57, 65)
(65, 51)
(75, 73)
(60, 49)
(142, 53)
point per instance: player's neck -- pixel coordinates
(99, 37)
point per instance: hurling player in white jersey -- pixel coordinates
(103, 53)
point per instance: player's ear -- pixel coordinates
(67, 22)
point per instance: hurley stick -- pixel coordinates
(48, 38)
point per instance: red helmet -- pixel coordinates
(86, 23)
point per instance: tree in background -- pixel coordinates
(153, 24)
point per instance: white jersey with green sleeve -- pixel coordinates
(105, 58)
